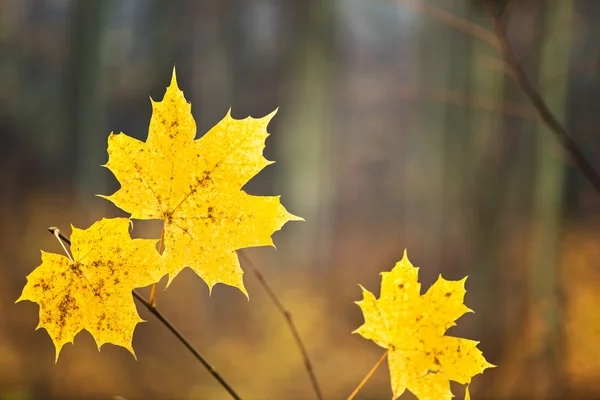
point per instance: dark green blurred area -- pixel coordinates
(399, 126)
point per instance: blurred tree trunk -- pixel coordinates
(424, 209)
(485, 160)
(548, 198)
(86, 82)
(170, 45)
(212, 64)
(304, 150)
(458, 175)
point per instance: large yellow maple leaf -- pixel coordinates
(412, 327)
(194, 186)
(93, 292)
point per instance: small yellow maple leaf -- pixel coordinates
(194, 186)
(93, 292)
(412, 327)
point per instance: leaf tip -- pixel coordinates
(170, 279)
(22, 297)
(174, 79)
(267, 118)
(58, 347)
(130, 348)
(243, 289)
(293, 217)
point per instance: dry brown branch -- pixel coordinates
(562, 134)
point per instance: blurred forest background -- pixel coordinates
(399, 126)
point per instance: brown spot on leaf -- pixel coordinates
(100, 321)
(205, 180)
(75, 267)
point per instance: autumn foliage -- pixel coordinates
(412, 328)
(194, 187)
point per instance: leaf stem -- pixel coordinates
(287, 315)
(368, 376)
(57, 234)
(160, 250)
(152, 308)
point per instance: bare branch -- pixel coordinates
(561, 133)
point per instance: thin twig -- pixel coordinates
(563, 135)
(170, 327)
(452, 20)
(366, 378)
(288, 318)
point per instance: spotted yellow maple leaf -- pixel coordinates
(93, 292)
(194, 186)
(412, 327)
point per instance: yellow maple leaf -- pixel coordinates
(93, 292)
(412, 327)
(194, 186)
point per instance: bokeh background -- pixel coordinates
(399, 127)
